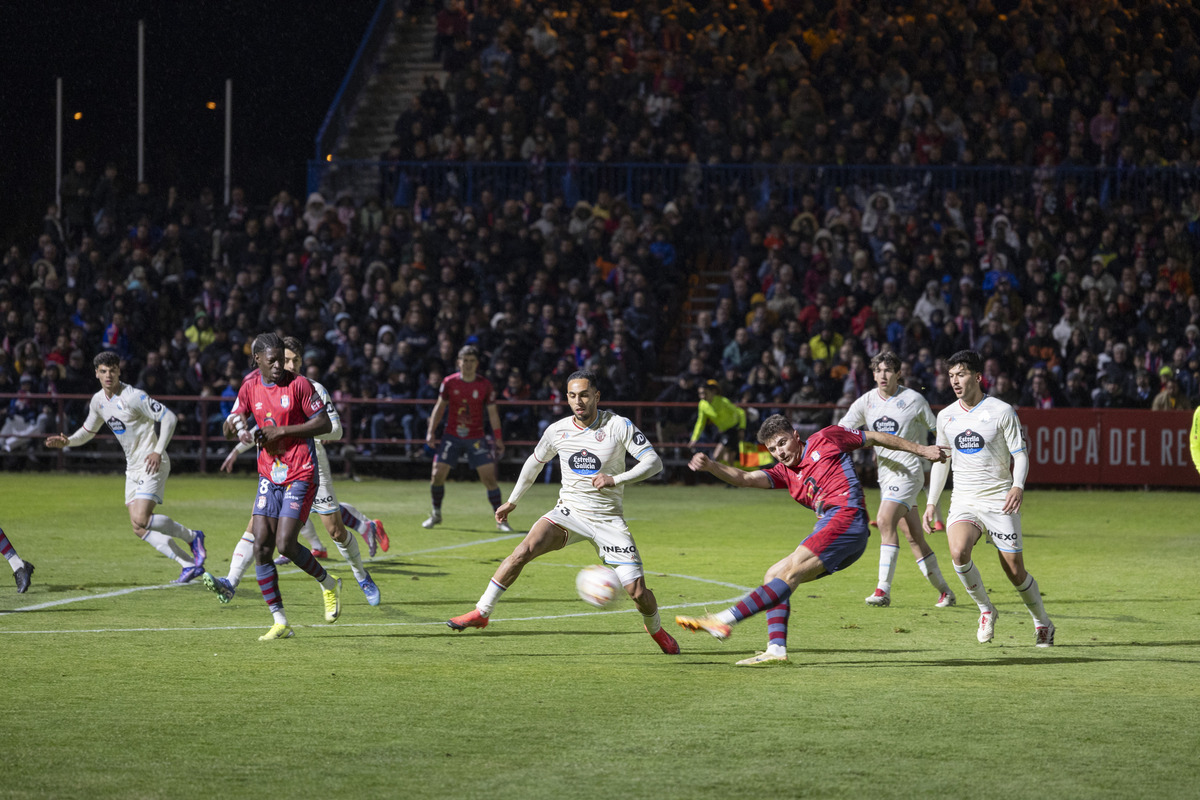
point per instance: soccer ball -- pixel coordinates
(597, 585)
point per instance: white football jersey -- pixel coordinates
(586, 452)
(982, 441)
(334, 416)
(131, 414)
(906, 414)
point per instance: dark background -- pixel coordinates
(286, 59)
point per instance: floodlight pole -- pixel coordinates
(141, 89)
(228, 133)
(58, 168)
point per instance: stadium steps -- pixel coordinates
(702, 286)
(404, 61)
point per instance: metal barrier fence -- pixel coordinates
(1074, 446)
(913, 188)
(198, 439)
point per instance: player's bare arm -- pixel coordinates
(930, 452)
(494, 419)
(731, 475)
(435, 418)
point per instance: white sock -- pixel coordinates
(490, 595)
(776, 650)
(969, 575)
(166, 545)
(309, 532)
(280, 617)
(726, 616)
(1032, 598)
(330, 582)
(15, 561)
(243, 557)
(164, 524)
(887, 565)
(353, 556)
(929, 568)
(358, 522)
(653, 622)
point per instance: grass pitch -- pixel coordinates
(118, 685)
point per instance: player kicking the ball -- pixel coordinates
(288, 414)
(983, 435)
(326, 505)
(818, 474)
(131, 414)
(591, 446)
(892, 409)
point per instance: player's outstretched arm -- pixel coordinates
(61, 440)
(931, 452)
(731, 475)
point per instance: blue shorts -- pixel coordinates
(290, 500)
(477, 451)
(839, 537)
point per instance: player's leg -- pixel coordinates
(926, 559)
(141, 511)
(962, 533)
(370, 529)
(487, 476)
(614, 544)
(153, 488)
(437, 484)
(1012, 561)
(544, 537)
(297, 502)
(22, 570)
(647, 606)
(265, 527)
(837, 541)
(347, 545)
(242, 558)
(889, 516)
(799, 566)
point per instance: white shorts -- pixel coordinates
(1002, 530)
(141, 485)
(609, 535)
(326, 501)
(900, 487)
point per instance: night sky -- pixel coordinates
(286, 60)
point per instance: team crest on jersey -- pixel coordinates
(258, 406)
(600, 435)
(475, 394)
(968, 442)
(886, 425)
(262, 501)
(284, 401)
(901, 404)
(117, 425)
(584, 463)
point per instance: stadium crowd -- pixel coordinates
(1075, 298)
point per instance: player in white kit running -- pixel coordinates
(591, 446)
(325, 504)
(132, 415)
(984, 435)
(890, 408)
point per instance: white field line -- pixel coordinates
(82, 598)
